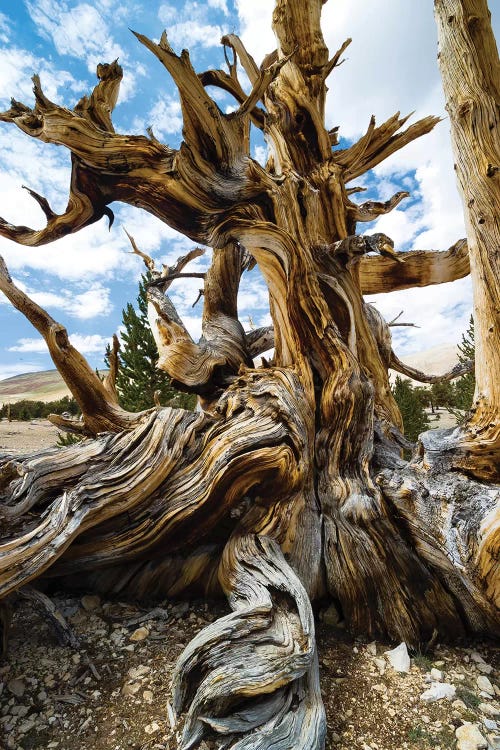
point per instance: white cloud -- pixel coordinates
(77, 30)
(165, 117)
(89, 304)
(86, 344)
(16, 68)
(191, 26)
(4, 28)
(10, 371)
(255, 24)
(442, 313)
(218, 5)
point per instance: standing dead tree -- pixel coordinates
(290, 487)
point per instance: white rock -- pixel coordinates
(459, 705)
(372, 648)
(485, 685)
(490, 725)
(139, 671)
(470, 738)
(152, 728)
(436, 675)
(380, 664)
(398, 658)
(148, 696)
(484, 668)
(477, 657)
(488, 709)
(493, 741)
(438, 691)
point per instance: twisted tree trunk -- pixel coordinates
(289, 487)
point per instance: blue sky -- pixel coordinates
(85, 280)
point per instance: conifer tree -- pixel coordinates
(138, 378)
(465, 386)
(410, 405)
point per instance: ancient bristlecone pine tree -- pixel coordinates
(289, 487)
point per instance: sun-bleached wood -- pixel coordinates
(289, 486)
(471, 82)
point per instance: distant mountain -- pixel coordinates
(435, 361)
(49, 386)
(46, 385)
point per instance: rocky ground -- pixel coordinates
(26, 437)
(112, 691)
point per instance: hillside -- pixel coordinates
(46, 385)
(49, 386)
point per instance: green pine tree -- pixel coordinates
(410, 405)
(138, 377)
(465, 386)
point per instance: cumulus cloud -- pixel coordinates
(165, 117)
(16, 69)
(191, 26)
(76, 30)
(442, 313)
(85, 343)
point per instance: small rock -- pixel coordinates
(139, 635)
(488, 709)
(90, 602)
(436, 675)
(460, 705)
(380, 688)
(399, 658)
(485, 685)
(334, 737)
(372, 648)
(16, 687)
(139, 671)
(26, 726)
(380, 664)
(131, 688)
(491, 725)
(148, 696)
(391, 712)
(152, 728)
(438, 691)
(470, 738)
(493, 741)
(477, 658)
(331, 616)
(484, 668)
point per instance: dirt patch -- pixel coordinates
(26, 437)
(113, 692)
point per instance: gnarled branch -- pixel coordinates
(420, 268)
(101, 413)
(461, 368)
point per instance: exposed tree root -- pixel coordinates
(255, 671)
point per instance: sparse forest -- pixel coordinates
(292, 486)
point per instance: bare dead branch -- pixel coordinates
(334, 62)
(420, 268)
(248, 63)
(369, 210)
(462, 368)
